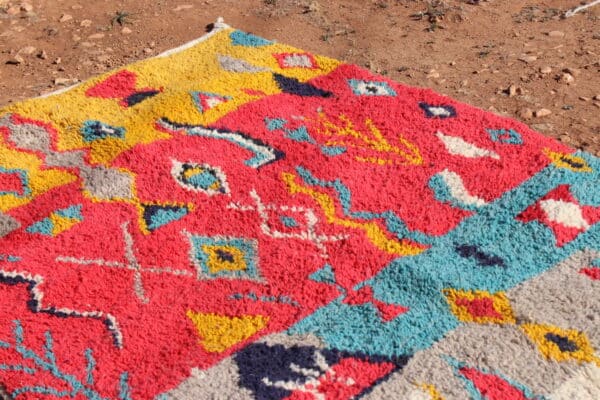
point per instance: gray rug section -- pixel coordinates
(7, 224)
(100, 182)
(216, 383)
(561, 296)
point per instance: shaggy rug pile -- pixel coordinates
(240, 219)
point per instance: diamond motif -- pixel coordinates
(560, 211)
(296, 60)
(506, 136)
(560, 344)
(480, 306)
(14, 182)
(96, 130)
(370, 88)
(276, 222)
(205, 101)
(225, 257)
(437, 111)
(200, 178)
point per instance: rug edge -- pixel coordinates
(218, 26)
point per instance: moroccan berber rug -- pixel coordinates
(240, 219)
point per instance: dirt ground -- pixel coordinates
(516, 58)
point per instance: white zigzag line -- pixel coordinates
(35, 304)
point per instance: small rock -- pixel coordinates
(597, 97)
(13, 10)
(65, 18)
(542, 112)
(27, 50)
(148, 50)
(126, 31)
(572, 71)
(57, 61)
(566, 78)
(513, 90)
(26, 7)
(86, 23)
(42, 55)
(545, 70)
(527, 59)
(526, 113)
(597, 105)
(583, 98)
(452, 63)
(556, 34)
(76, 38)
(183, 7)
(64, 81)
(433, 74)
(16, 60)
(96, 36)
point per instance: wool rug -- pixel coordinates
(240, 219)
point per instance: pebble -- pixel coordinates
(514, 90)
(566, 78)
(27, 50)
(16, 60)
(597, 97)
(527, 59)
(583, 98)
(65, 18)
(433, 74)
(148, 50)
(572, 71)
(13, 10)
(556, 34)
(64, 81)
(126, 31)
(526, 113)
(86, 23)
(183, 7)
(545, 70)
(42, 55)
(96, 36)
(57, 61)
(26, 7)
(542, 112)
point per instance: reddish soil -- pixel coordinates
(497, 55)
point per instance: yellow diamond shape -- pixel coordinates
(224, 258)
(560, 344)
(480, 306)
(568, 161)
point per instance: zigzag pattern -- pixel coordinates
(34, 304)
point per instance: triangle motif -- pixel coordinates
(218, 333)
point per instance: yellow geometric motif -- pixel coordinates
(568, 161)
(61, 224)
(179, 74)
(40, 179)
(224, 258)
(375, 234)
(347, 136)
(218, 333)
(561, 344)
(480, 306)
